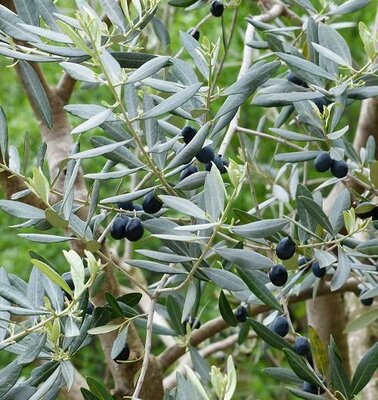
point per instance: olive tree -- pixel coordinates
(170, 140)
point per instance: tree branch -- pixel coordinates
(148, 343)
(274, 10)
(65, 87)
(211, 328)
(12, 184)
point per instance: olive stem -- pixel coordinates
(266, 136)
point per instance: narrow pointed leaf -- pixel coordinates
(246, 259)
(270, 337)
(283, 375)
(151, 67)
(299, 366)
(37, 92)
(114, 12)
(8, 377)
(119, 343)
(226, 310)
(258, 288)
(342, 272)
(224, 279)
(184, 206)
(318, 351)
(305, 65)
(304, 395)
(155, 267)
(317, 213)
(21, 210)
(51, 274)
(93, 122)
(79, 72)
(260, 229)
(366, 368)
(174, 101)
(98, 151)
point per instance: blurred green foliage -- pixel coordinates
(253, 384)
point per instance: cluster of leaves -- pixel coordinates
(204, 238)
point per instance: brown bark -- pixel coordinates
(327, 315)
(12, 184)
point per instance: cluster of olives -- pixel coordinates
(285, 250)
(205, 156)
(125, 227)
(320, 272)
(216, 9)
(132, 228)
(315, 267)
(323, 162)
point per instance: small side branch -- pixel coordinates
(65, 88)
(211, 328)
(148, 343)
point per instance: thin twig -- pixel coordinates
(148, 343)
(228, 44)
(247, 60)
(65, 87)
(116, 265)
(270, 137)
